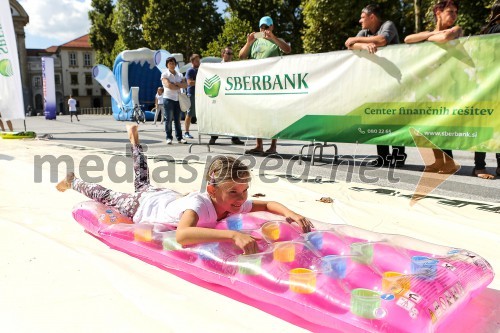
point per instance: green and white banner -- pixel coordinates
(449, 93)
(11, 90)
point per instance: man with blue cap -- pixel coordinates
(261, 45)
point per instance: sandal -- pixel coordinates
(254, 151)
(481, 173)
(270, 152)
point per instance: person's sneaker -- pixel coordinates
(181, 141)
(188, 136)
(169, 141)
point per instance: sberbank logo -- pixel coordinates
(277, 84)
(212, 86)
(6, 68)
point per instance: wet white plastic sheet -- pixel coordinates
(54, 277)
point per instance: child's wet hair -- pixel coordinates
(227, 168)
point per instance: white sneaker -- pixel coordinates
(188, 136)
(182, 141)
(169, 141)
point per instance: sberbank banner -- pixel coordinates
(11, 93)
(449, 93)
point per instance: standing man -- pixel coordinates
(376, 33)
(72, 108)
(191, 87)
(260, 48)
(227, 56)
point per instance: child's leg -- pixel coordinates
(141, 170)
(125, 203)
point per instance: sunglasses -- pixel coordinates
(229, 53)
(265, 27)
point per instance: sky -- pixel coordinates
(55, 22)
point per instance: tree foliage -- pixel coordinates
(195, 26)
(286, 15)
(234, 35)
(328, 23)
(101, 35)
(181, 27)
(127, 23)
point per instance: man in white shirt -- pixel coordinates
(72, 108)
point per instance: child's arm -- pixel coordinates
(188, 233)
(277, 208)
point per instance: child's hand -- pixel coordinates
(302, 221)
(245, 242)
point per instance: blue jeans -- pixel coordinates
(173, 110)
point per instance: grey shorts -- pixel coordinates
(192, 110)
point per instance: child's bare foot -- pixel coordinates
(133, 133)
(65, 184)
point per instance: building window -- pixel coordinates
(72, 59)
(74, 78)
(57, 79)
(87, 59)
(89, 92)
(103, 92)
(37, 81)
(88, 79)
(74, 92)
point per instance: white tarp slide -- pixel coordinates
(57, 278)
(11, 92)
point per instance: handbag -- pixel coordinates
(184, 102)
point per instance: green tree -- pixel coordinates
(181, 27)
(102, 38)
(234, 34)
(328, 23)
(286, 15)
(128, 25)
